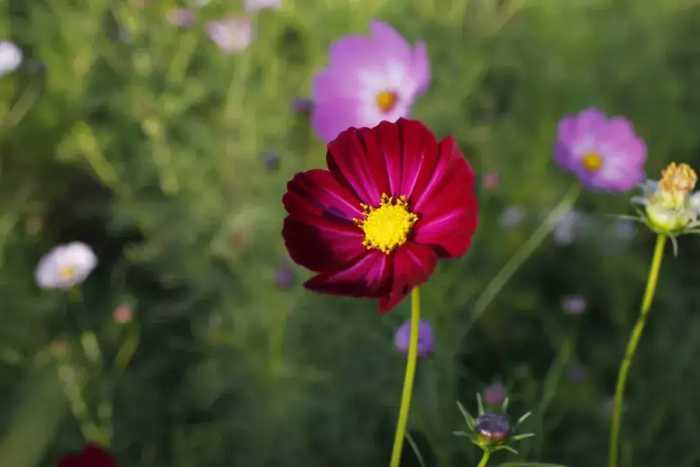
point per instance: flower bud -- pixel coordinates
(669, 205)
(492, 428)
(495, 394)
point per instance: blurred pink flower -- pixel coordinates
(123, 314)
(182, 17)
(490, 180)
(254, 5)
(232, 35)
(574, 304)
(603, 152)
(495, 394)
(368, 79)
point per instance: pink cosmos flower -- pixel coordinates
(604, 153)
(368, 79)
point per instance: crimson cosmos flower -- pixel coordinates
(91, 456)
(392, 202)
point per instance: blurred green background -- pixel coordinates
(170, 157)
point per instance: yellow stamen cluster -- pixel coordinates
(386, 100)
(592, 161)
(388, 225)
(678, 179)
(66, 272)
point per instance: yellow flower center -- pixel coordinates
(592, 161)
(678, 179)
(387, 226)
(386, 100)
(66, 272)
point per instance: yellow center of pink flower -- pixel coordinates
(592, 161)
(388, 225)
(386, 100)
(66, 272)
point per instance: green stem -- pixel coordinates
(408, 380)
(499, 280)
(632, 347)
(484, 459)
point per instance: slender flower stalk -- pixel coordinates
(503, 276)
(408, 380)
(632, 347)
(484, 459)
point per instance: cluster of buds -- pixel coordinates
(492, 431)
(669, 205)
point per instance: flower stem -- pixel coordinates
(484, 459)
(499, 280)
(632, 347)
(408, 380)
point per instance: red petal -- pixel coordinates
(322, 244)
(71, 460)
(369, 276)
(418, 155)
(356, 164)
(388, 158)
(317, 193)
(91, 456)
(447, 208)
(94, 456)
(413, 265)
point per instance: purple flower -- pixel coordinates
(368, 79)
(574, 304)
(302, 105)
(604, 153)
(577, 374)
(425, 338)
(284, 276)
(181, 17)
(232, 35)
(494, 394)
(271, 161)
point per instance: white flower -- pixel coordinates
(10, 57)
(254, 5)
(512, 216)
(65, 266)
(232, 35)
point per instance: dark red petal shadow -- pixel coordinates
(317, 193)
(91, 456)
(368, 276)
(320, 244)
(413, 265)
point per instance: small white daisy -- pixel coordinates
(65, 266)
(254, 5)
(10, 57)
